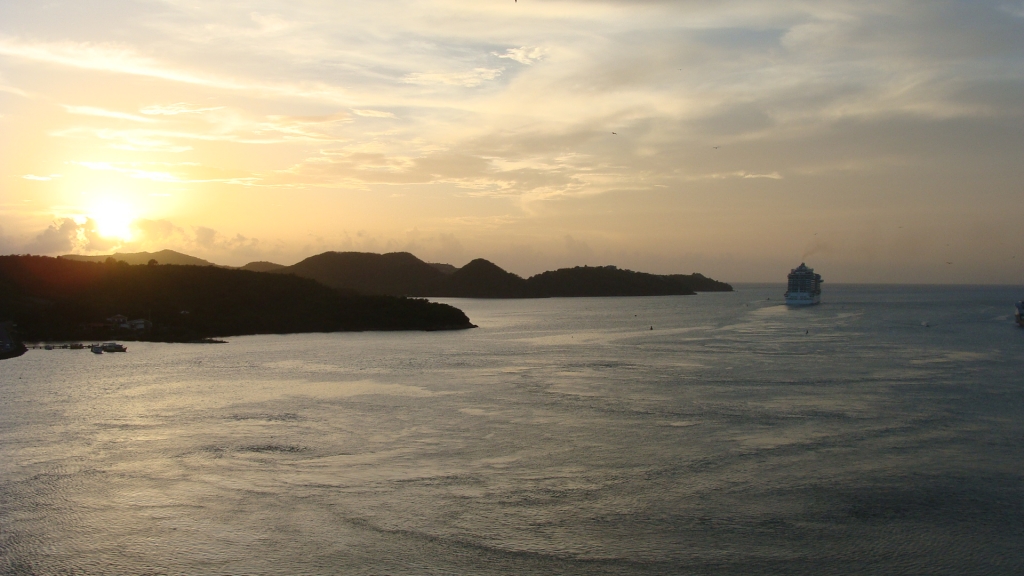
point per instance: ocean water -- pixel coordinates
(881, 432)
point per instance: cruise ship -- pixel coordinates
(804, 286)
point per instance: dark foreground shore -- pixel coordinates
(53, 299)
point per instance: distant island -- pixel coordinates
(53, 299)
(403, 274)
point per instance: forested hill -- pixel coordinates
(367, 273)
(61, 299)
(604, 281)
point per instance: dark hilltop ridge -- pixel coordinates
(398, 273)
(134, 258)
(169, 257)
(401, 273)
(52, 299)
(480, 279)
(262, 266)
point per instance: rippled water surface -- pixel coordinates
(879, 433)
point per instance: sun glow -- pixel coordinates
(113, 219)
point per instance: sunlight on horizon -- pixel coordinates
(113, 218)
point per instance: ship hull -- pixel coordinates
(803, 299)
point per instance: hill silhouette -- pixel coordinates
(604, 281)
(397, 273)
(481, 279)
(401, 273)
(262, 266)
(61, 299)
(169, 257)
(135, 258)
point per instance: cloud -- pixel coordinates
(373, 114)
(271, 23)
(155, 230)
(105, 56)
(181, 172)
(124, 59)
(238, 246)
(477, 175)
(470, 79)
(40, 178)
(132, 140)
(578, 249)
(1014, 9)
(67, 235)
(176, 108)
(524, 55)
(15, 91)
(80, 235)
(7, 245)
(742, 174)
(91, 111)
(234, 127)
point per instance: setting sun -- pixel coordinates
(113, 219)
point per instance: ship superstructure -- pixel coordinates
(804, 286)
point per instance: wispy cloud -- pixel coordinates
(15, 91)
(40, 178)
(107, 57)
(123, 59)
(742, 174)
(271, 23)
(91, 111)
(470, 79)
(1014, 9)
(182, 172)
(242, 129)
(176, 108)
(523, 55)
(373, 114)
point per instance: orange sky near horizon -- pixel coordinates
(880, 141)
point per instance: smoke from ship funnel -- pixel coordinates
(813, 248)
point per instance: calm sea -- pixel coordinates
(881, 432)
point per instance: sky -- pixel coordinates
(879, 141)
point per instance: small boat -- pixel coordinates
(113, 347)
(96, 349)
(1020, 314)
